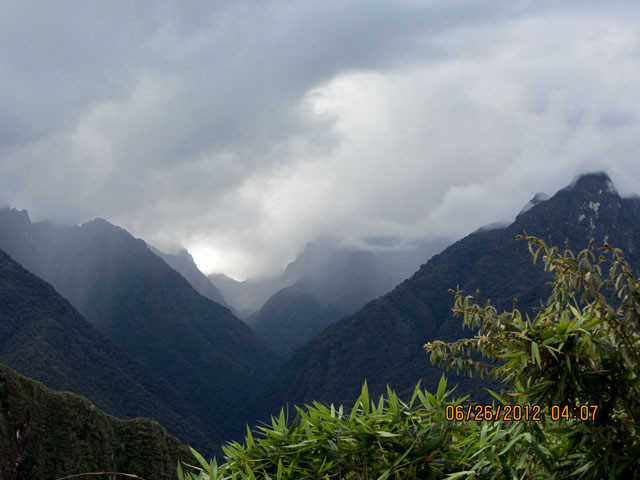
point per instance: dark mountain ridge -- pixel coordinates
(43, 337)
(183, 263)
(148, 309)
(330, 282)
(291, 317)
(383, 342)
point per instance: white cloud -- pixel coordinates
(246, 129)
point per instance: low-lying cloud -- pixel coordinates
(242, 130)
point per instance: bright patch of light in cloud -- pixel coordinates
(242, 131)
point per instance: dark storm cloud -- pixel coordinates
(243, 129)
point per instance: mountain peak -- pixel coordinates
(99, 221)
(582, 198)
(537, 198)
(15, 217)
(183, 252)
(593, 183)
(99, 225)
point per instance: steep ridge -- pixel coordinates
(331, 281)
(43, 337)
(147, 308)
(47, 435)
(291, 317)
(184, 264)
(346, 276)
(383, 342)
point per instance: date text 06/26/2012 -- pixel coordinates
(517, 413)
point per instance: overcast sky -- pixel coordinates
(241, 130)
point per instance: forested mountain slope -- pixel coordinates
(140, 303)
(46, 435)
(291, 317)
(383, 342)
(43, 337)
(329, 282)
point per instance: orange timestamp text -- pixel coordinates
(517, 413)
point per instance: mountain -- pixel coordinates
(43, 337)
(48, 435)
(247, 296)
(183, 264)
(292, 316)
(326, 282)
(144, 306)
(383, 342)
(347, 276)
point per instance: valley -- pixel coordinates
(138, 339)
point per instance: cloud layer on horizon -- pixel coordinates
(242, 131)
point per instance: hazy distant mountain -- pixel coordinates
(43, 337)
(383, 341)
(325, 263)
(144, 306)
(48, 435)
(249, 295)
(290, 317)
(183, 263)
(330, 282)
(346, 276)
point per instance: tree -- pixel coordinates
(579, 354)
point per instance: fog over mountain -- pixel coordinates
(244, 130)
(43, 337)
(325, 282)
(136, 300)
(345, 275)
(182, 262)
(384, 341)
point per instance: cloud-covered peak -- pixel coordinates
(594, 182)
(242, 130)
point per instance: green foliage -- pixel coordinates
(383, 439)
(46, 435)
(578, 350)
(389, 439)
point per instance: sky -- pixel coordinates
(243, 130)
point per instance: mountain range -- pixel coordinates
(45, 338)
(387, 260)
(324, 283)
(142, 305)
(139, 338)
(383, 342)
